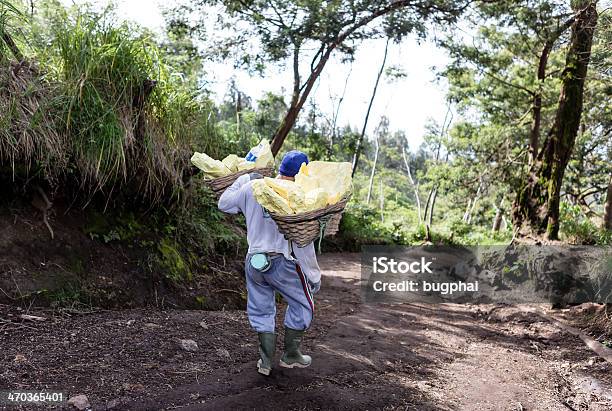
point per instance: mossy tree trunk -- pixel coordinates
(536, 208)
(607, 223)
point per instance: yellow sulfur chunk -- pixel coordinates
(282, 187)
(297, 200)
(333, 198)
(334, 177)
(245, 165)
(289, 190)
(270, 199)
(306, 182)
(231, 162)
(316, 186)
(316, 199)
(210, 167)
(303, 169)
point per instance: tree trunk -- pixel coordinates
(607, 222)
(431, 209)
(332, 138)
(238, 110)
(373, 172)
(534, 135)
(382, 203)
(325, 52)
(299, 97)
(536, 209)
(415, 186)
(427, 204)
(472, 205)
(365, 122)
(497, 220)
(467, 210)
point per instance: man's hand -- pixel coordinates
(255, 176)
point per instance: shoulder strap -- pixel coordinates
(291, 253)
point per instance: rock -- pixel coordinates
(594, 360)
(203, 324)
(130, 322)
(113, 404)
(189, 345)
(222, 352)
(32, 317)
(20, 358)
(80, 402)
(133, 387)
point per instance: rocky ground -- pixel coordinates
(366, 356)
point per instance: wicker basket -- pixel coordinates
(219, 184)
(304, 228)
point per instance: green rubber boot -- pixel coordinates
(292, 357)
(267, 342)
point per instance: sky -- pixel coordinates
(408, 103)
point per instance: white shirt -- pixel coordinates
(262, 232)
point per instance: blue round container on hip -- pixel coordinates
(260, 262)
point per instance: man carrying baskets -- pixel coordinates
(274, 264)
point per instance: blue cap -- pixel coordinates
(292, 161)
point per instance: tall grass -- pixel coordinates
(31, 141)
(28, 131)
(128, 120)
(104, 70)
(8, 14)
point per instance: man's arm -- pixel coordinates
(232, 200)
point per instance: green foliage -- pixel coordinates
(120, 226)
(460, 228)
(31, 138)
(70, 295)
(361, 225)
(10, 15)
(172, 262)
(81, 121)
(576, 228)
(104, 113)
(274, 28)
(104, 70)
(205, 230)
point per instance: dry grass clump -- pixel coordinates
(30, 138)
(104, 111)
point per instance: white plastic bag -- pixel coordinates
(261, 154)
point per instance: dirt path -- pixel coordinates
(437, 357)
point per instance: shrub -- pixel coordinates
(360, 225)
(577, 228)
(104, 111)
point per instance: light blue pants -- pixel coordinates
(286, 278)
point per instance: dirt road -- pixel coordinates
(420, 357)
